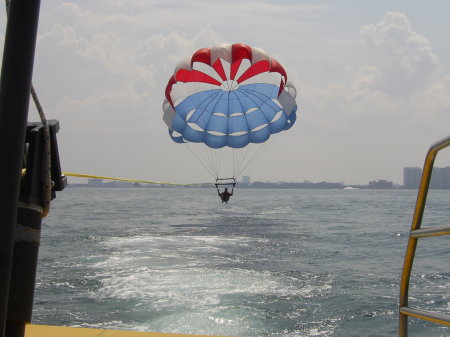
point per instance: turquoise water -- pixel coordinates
(269, 263)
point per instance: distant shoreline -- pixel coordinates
(254, 185)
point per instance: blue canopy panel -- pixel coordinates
(218, 118)
(176, 139)
(291, 119)
(198, 101)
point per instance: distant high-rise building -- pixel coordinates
(246, 179)
(411, 177)
(440, 177)
(447, 177)
(381, 183)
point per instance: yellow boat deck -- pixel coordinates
(33, 330)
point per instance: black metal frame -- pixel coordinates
(15, 83)
(29, 220)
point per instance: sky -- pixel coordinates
(372, 79)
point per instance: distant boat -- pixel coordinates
(351, 188)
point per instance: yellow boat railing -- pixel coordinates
(416, 233)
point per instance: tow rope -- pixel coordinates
(81, 175)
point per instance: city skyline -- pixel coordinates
(440, 179)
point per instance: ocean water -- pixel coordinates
(269, 263)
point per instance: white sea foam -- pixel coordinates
(176, 260)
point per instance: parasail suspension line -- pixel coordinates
(200, 161)
(256, 154)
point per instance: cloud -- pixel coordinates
(102, 67)
(406, 62)
(106, 86)
(92, 62)
(394, 102)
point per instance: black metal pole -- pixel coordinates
(15, 83)
(23, 272)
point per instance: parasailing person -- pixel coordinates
(228, 97)
(225, 195)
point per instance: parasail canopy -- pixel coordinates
(229, 95)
